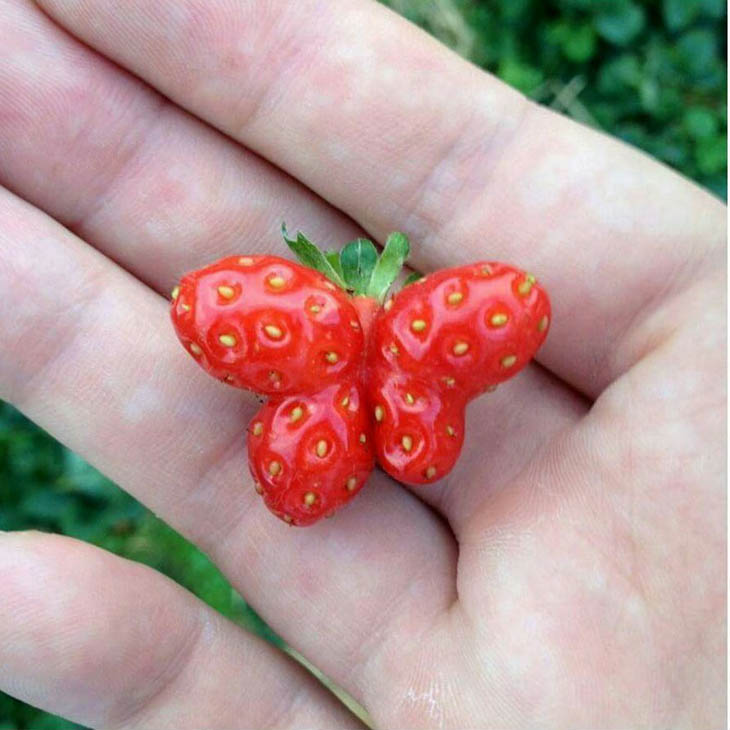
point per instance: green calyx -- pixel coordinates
(357, 267)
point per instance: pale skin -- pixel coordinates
(570, 573)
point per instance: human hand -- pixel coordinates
(569, 572)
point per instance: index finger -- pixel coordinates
(398, 132)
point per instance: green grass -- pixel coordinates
(652, 73)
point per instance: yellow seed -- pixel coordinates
(525, 286)
(227, 292)
(499, 319)
(351, 483)
(245, 261)
(508, 361)
(430, 472)
(287, 518)
(227, 340)
(321, 448)
(460, 348)
(273, 331)
(185, 307)
(228, 378)
(276, 282)
(345, 402)
(363, 438)
(195, 349)
(258, 428)
(409, 399)
(309, 499)
(486, 270)
(296, 414)
(355, 325)
(449, 382)
(258, 488)
(418, 325)
(450, 431)
(274, 468)
(388, 305)
(331, 357)
(379, 413)
(407, 443)
(275, 378)
(394, 348)
(174, 293)
(542, 324)
(454, 297)
(315, 308)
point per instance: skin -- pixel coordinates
(569, 573)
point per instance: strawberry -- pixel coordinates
(309, 454)
(267, 324)
(348, 377)
(419, 429)
(436, 345)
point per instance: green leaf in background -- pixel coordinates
(678, 14)
(621, 22)
(700, 122)
(577, 41)
(711, 154)
(520, 75)
(568, 5)
(580, 43)
(621, 75)
(649, 94)
(514, 10)
(714, 8)
(696, 51)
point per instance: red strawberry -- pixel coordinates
(419, 428)
(267, 324)
(448, 338)
(310, 454)
(293, 333)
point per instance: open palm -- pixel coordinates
(570, 570)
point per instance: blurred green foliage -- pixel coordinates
(652, 73)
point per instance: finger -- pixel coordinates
(146, 183)
(89, 354)
(157, 224)
(108, 642)
(398, 132)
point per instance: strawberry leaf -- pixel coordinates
(412, 278)
(388, 266)
(358, 259)
(311, 256)
(334, 258)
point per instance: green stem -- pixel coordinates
(357, 268)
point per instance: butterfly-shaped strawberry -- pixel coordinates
(350, 375)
